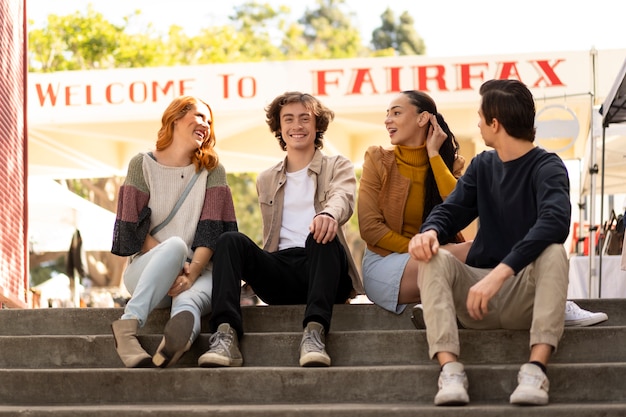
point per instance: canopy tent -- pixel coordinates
(55, 213)
(613, 151)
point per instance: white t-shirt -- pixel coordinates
(298, 209)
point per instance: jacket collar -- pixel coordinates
(315, 165)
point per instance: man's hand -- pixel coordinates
(484, 290)
(424, 246)
(324, 228)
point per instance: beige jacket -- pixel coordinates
(335, 191)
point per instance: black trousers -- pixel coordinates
(316, 275)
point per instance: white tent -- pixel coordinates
(55, 213)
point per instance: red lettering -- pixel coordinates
(465, 75)
(182, 87)
(225, 84)
(438, 76)
(240, 86)
(42, 95)
(88, 99)
(142, 89)
(109, 93)
(507, 70)
(156, 89)
(546, 70)
(68, 94)
(362, 76)
(320, 81)
(393, 79)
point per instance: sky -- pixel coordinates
(449, 27)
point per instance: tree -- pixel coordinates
(75, 42)
(329, 33)
(397, 38)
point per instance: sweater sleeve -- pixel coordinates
(218, 211)
(132, 220)
(443, 177)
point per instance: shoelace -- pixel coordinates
(575, 312)
(452, 378)
(312, 341)
(220, 341)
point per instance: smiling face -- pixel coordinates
(403, 122)
(194, 127)
(297, 126)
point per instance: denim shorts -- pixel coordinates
(381, 279)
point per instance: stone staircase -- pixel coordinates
(62, 362)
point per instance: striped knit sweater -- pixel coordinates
(148, 195)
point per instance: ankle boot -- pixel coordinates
(127, 345)
(176, 340)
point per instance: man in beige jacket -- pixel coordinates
(305, 200)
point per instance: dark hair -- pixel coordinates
(323, 115)
(512, 104)
(448, 151)
(205, 155)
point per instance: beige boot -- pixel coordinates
(127, 345)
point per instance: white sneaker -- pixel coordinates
(532, 388)
(578, 317)
(452, 385)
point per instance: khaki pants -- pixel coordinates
(533, 299)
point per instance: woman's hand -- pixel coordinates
(182, 282)
(435, 138)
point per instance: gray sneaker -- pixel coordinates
(533, 386)
(223, 349)
(312, 348)
(452, 385)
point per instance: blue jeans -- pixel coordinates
(148, 277)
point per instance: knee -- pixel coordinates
(176, 245)
(229, 239)
(434, 268)
(553, 255)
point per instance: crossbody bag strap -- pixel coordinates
(178, 204)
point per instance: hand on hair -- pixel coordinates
(435, 138)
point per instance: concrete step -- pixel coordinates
(95, 321)
(346, 348)
(317, 410)
(62, 362)
(489, 384)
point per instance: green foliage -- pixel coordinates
(397, 38)
(329, 33)
(257, 32)
(243, 188)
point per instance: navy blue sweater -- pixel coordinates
(522, 206)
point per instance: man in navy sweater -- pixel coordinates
(516, 272)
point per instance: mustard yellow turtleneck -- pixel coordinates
(413, 164)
